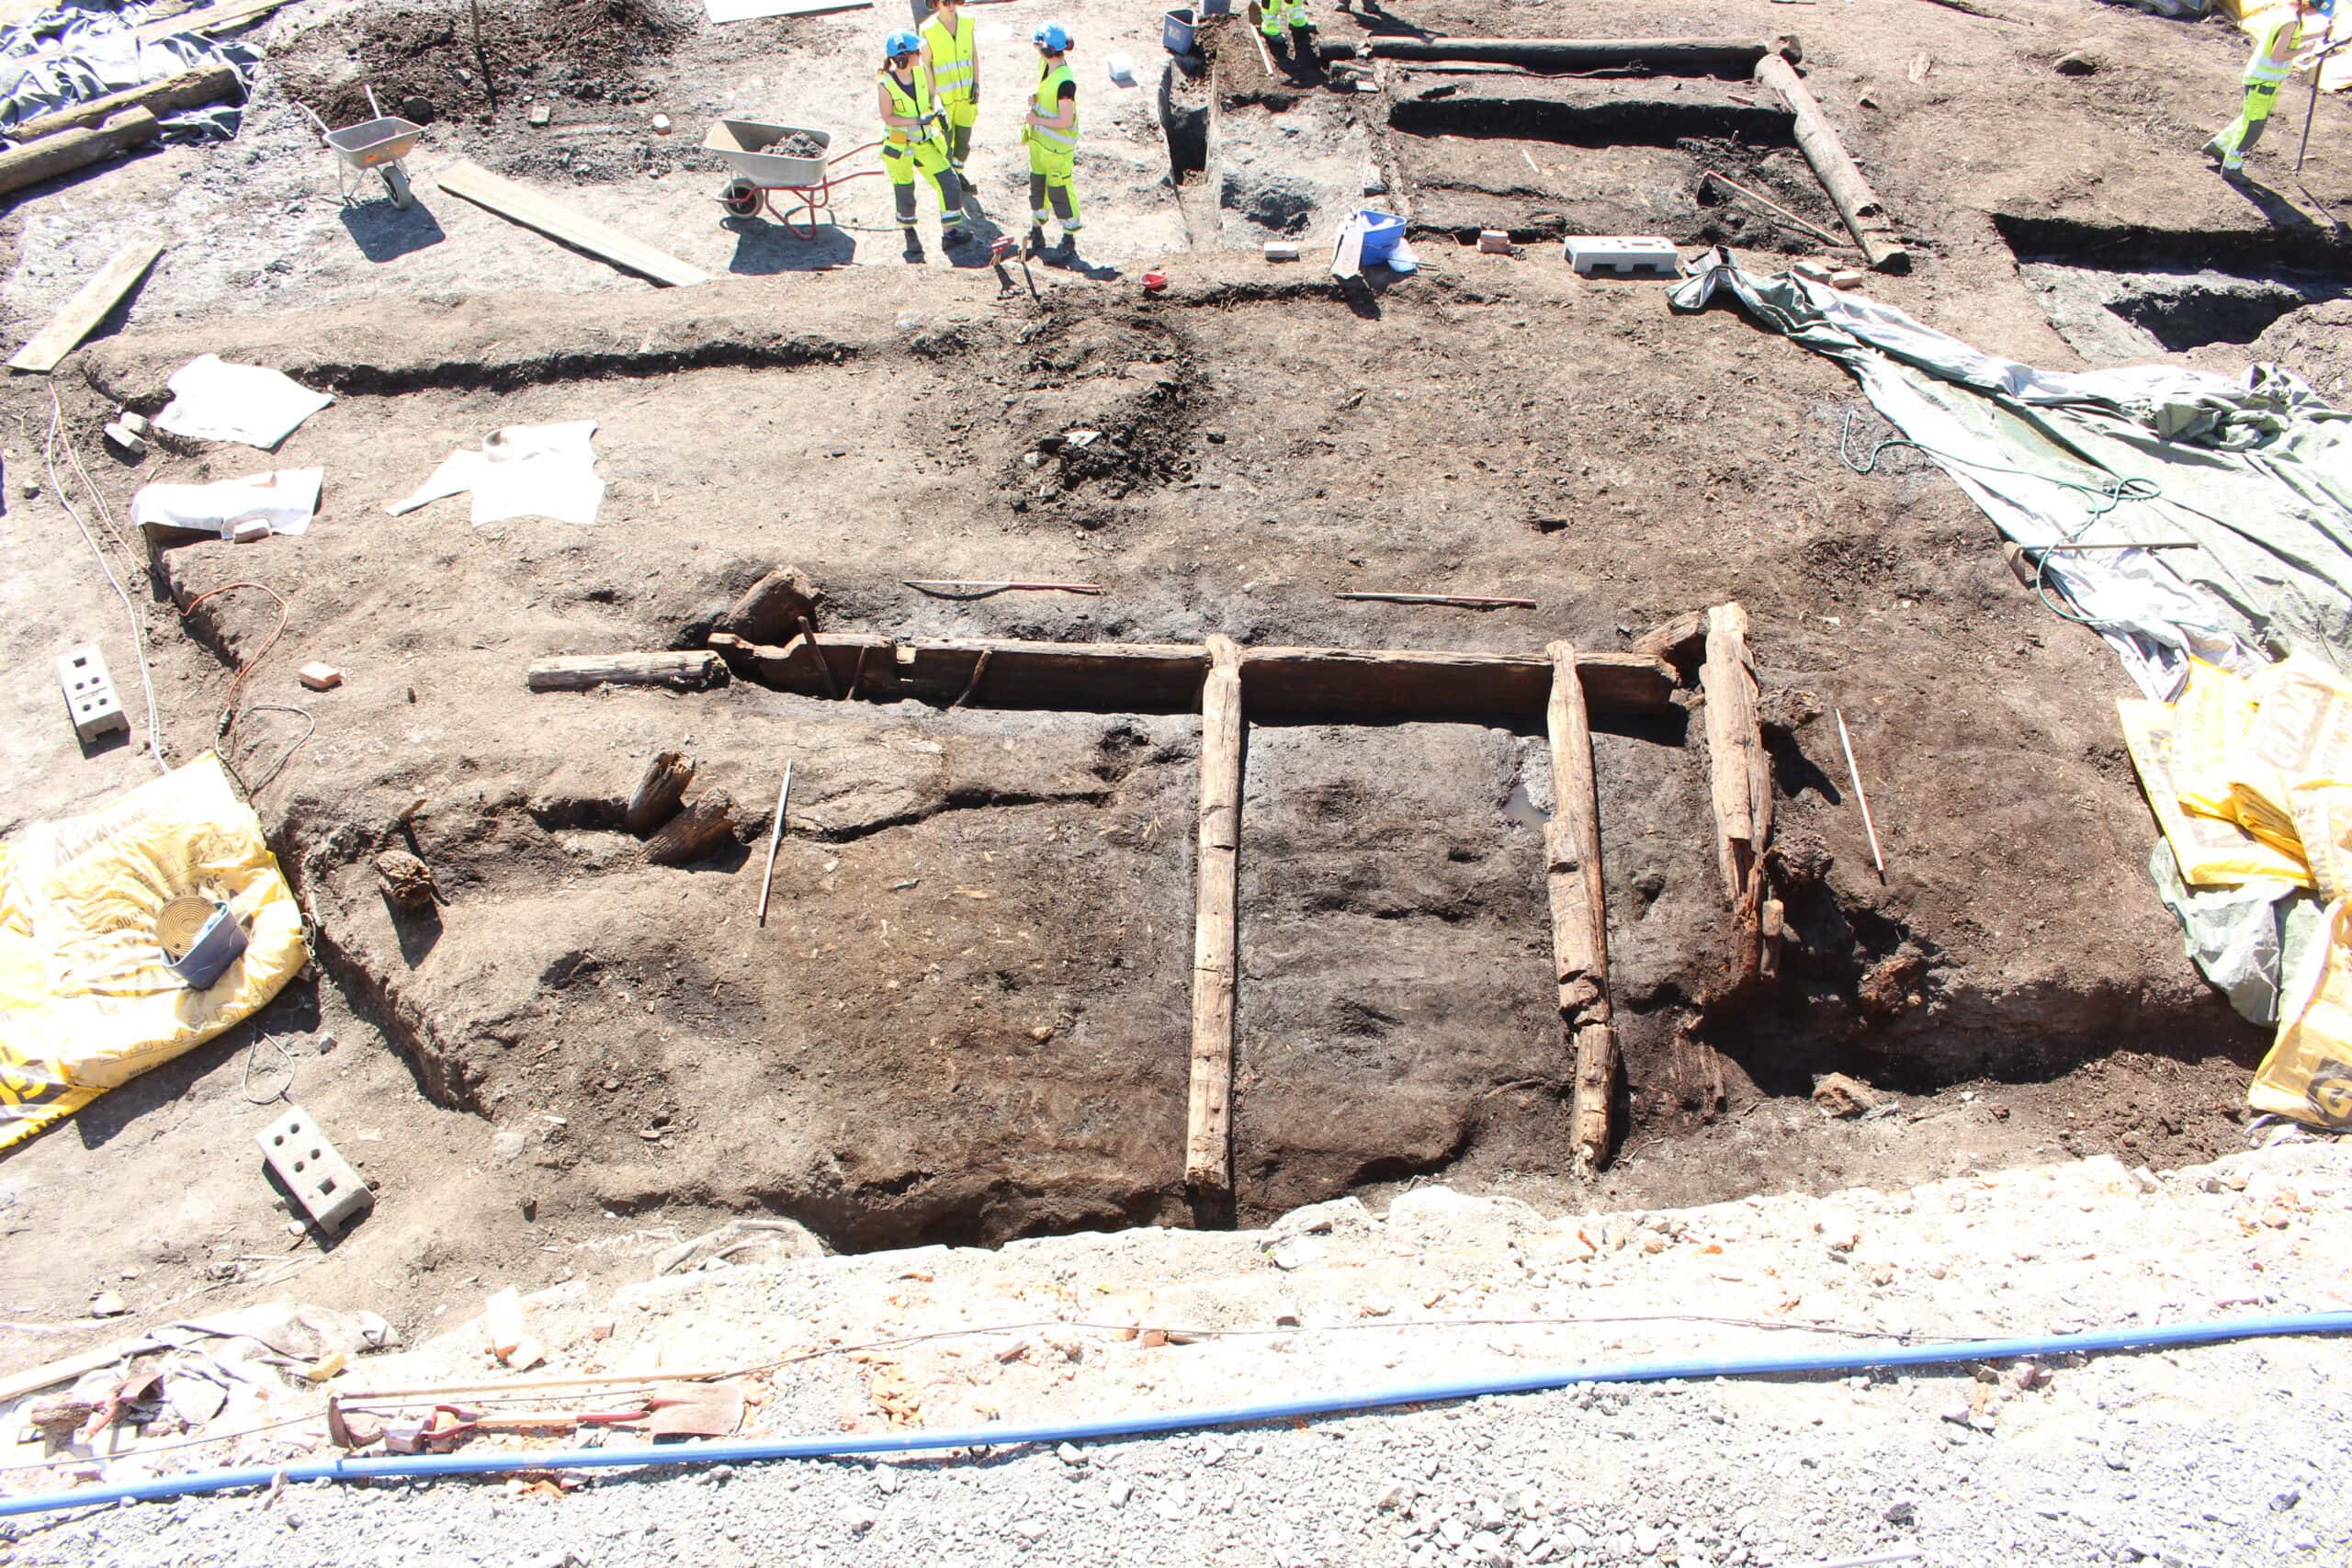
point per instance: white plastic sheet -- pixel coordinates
(215, 400)
(286, 499)
(524, 470)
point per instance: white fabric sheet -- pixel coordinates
(524, 470)
(286, 499)
(215, 400)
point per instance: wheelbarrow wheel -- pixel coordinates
(741, 198)
(396, 181)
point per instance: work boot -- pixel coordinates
(2212, 148)
(1035, 242)
(914, 246)
(958, 235)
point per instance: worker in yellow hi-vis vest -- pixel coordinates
(914, 142)
(953, 57)
(1051, 131)
(2283, 31)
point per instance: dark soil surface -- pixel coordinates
(965, 1016)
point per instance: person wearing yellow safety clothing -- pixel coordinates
(953, 57)
(914, 142)
(1276, 18)
(1051, 131)
(2281, 33)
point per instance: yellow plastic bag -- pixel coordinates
(2301, 728)
(87, 999)
(2308, 1074)
(2209, 721)
(2210, 852)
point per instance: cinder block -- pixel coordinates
(1623, 255)
(89, 693)
(320, 1180)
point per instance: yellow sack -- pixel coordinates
(2302, 729)
(86, 1000)
(2209, 722)
(2308, 1074)
(2210, 852)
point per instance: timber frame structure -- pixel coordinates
(1226, 683)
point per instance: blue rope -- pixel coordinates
(2106, 496)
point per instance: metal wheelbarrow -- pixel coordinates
(760, 173)
(378, 144)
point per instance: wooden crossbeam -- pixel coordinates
(520, 204)
(1740, 777)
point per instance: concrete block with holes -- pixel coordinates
(320, 1180)
(89, 693)
(1623, 255)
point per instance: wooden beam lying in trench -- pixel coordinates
(1208, 1119)
(1740, 774)
(1338, 682)
(1580, 915)
(1651, 56)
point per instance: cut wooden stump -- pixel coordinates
(693, 672)
(772, 609)
(407, 882)
(655, 799)
(694, 832)
(1740, 775)
(1580, 915)
(1859, 205)
(1208, 1123)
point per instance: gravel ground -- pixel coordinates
(2228, 1455)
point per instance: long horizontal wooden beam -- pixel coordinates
(1166, 677)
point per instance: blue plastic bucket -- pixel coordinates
(202, 954)
(1216, 8)
(1381, 232)
(1178, 31)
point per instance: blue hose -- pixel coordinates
(838, 1446)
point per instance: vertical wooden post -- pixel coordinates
(1579, 914)
(1208, 1133)
(1741, 775)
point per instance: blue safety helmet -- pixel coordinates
(1054, 38)
(901, 42)
(2324, 7)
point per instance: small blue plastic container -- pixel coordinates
(216, 941)
(1178, 31)
(1381, 232)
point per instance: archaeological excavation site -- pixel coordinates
(1604, 609)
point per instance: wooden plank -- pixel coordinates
(1652, 56)
(1398, 684)
(202, 20)
(166, 97)
(1859, 205)
(1740, 777)
(51, 1373)
(1105, 676)
(90, 305)
(71, 149)
(576, 673)
(1579, 913)
(720, 11)
(522, 205)
(1208, 1122)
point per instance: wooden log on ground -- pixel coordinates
(694, 832)
(1740, 776)
(71, 149)
(1679, 641)
(694, 671)
(1579, 913)
(1406, 684)
(1859, 205)
(209, 86)
(1208, 1122)
(655, 799)
(91, 304)
(1650, 56)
